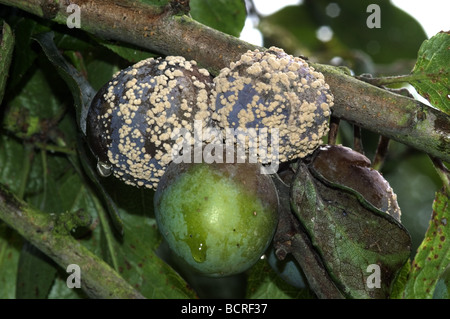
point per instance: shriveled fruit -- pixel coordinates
(274, 94)
(133, 118)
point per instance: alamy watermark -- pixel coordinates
(241, 145)
(74, 18)
(374, 19)
(374, 279)
(74, 279)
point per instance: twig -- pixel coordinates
(52, 237)
(381, 152)
(163, 30)
(334, 130)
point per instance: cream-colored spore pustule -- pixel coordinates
(133, 118)
(274, 90)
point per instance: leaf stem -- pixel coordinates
(55, 148)
(380, 81)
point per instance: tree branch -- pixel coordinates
(162, 29)
(52, 237)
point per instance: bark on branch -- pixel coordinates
(167, 31)
(53, 238)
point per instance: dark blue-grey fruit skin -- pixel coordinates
(133, 118)
(272, 90)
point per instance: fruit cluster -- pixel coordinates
(219, 218)
(133, 119)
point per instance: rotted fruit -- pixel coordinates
(273, 90)
(132, 119)
(345, 167)
(351, 215)
(219, 218)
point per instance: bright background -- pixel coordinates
(433, 15)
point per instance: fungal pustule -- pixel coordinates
(274, 90)
(133, 119)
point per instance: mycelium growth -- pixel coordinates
(132, 119)
(273, 90)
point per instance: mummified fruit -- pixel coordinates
(351, 216)
(346, 167)
(274, 94)
(133, 118)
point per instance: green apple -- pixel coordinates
(219, 217)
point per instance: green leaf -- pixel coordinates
(10, 245)
(12, 170)
(433, 255)
(442, 288)
(350, 235)
(264, 283)
(23, 56)
(35, 274)
(400, 282)
(130, 53)
(38, 103)
(227, 16)
(433, 71)
(81, 90)
(134, 255)
(294, 28)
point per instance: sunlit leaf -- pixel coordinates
(433, 255)
(225, 15)
(398, 36)
(433, 69)
(442, 288)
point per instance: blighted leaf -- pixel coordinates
(442, 289)
(433, 255)
(362, 247)
(227, 16)
(344, 167)
(433, 67)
